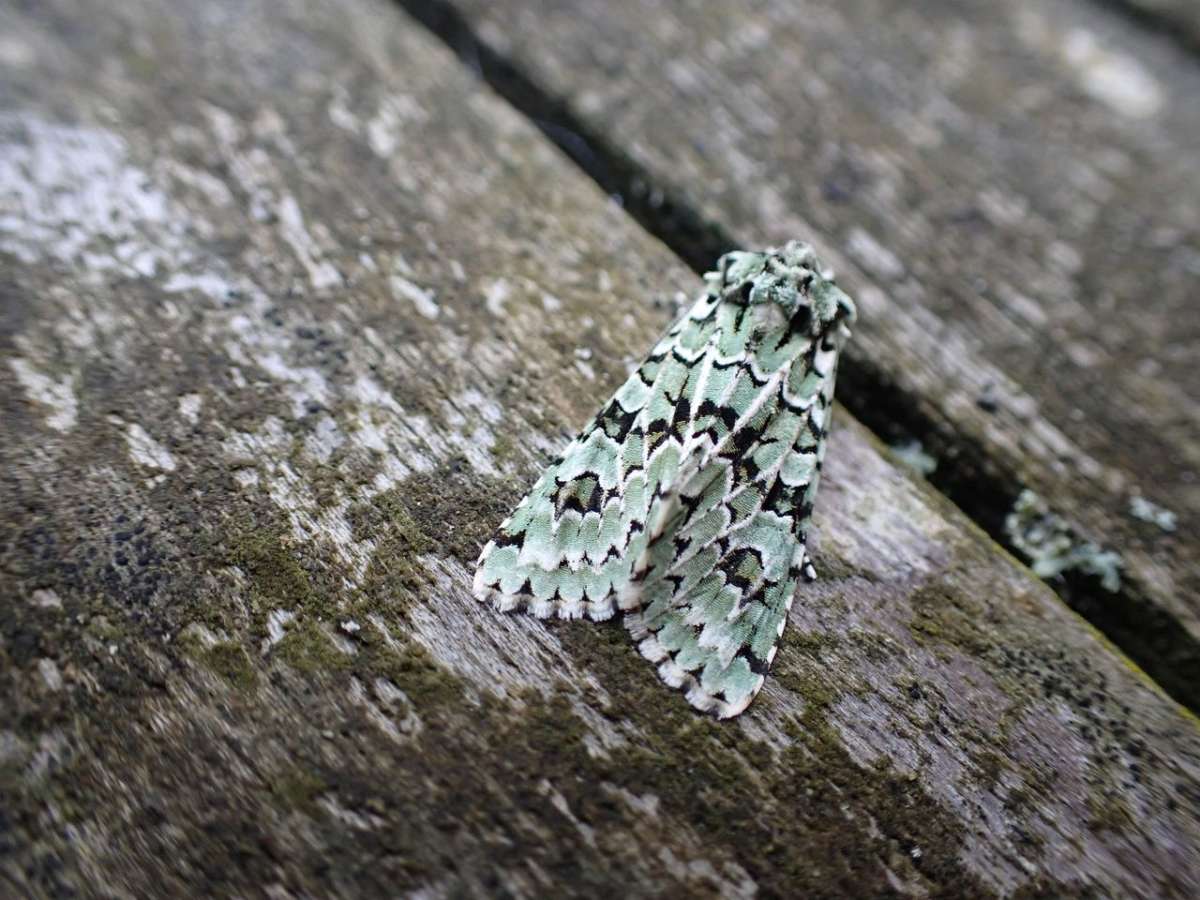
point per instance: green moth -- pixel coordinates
(683, 507)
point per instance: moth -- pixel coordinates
(684, 506)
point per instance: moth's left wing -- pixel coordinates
(570, 547)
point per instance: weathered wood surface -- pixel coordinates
(1010, 189)
(293, 309)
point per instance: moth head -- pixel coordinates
(791, 282)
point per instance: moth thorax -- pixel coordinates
(768, 317)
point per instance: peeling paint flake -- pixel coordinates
(208, 283)
(50, 674)
(496, 294)
(146, 451)
(324, 440)
(58, 396)
(1115, 79)
(309, 385)
(189, 407)
(321, 273)
(44, 598)
(385, 130)
(70, 194)
(421, 298)
(271, 441)
(277, 622)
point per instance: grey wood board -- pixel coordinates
(294, 309)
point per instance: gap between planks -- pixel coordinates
(1176, 20)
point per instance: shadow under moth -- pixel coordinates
(683, 507)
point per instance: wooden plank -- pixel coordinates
(1010, 190)
(293, 310)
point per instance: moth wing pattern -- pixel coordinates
(571, 546)
(722, 578)
(684, 505)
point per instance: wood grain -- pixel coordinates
(294, 309)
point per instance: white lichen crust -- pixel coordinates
(684, 505)
(1053, 546)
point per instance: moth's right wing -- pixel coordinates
(719, 580)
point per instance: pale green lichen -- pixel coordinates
(911, 454)
(1141, 508)
(1053, 547)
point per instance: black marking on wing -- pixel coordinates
(504, 538)
(757, 666)
(616, 421)
(801, 320)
